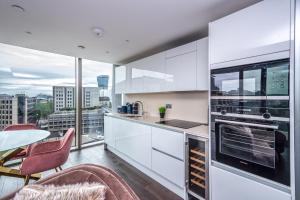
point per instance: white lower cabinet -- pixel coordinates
(169, 167)
(167, 141)
(109, 137)
(133, 139)
(228, 186)
(157, 152)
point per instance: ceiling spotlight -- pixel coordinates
(81, 47)
(17, 7)
(127, 41)
(98, 31)
(107, 52)
(28, 32)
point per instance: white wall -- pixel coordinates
(191, 106)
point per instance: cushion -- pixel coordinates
(84, 191)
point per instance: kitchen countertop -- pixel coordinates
(201, 131)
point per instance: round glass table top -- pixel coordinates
(15, 139)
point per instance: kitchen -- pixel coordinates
(244, 95)
(150, 100)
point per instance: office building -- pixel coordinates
(64, 97)
(17, 109)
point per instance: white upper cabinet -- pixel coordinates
(184, 68)
(202, 64)
(154, 73)
(136, 74)
(181, 72)
(147, 75)
(120, 79)
(260, 29)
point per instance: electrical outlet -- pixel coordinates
(169, 106)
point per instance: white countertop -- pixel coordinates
(201, 131)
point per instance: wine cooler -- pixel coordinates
(197, 167)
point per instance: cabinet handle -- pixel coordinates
(155, 149)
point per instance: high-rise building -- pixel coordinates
(64, 97)
(16, 109)
(90, 97)
(103, 81)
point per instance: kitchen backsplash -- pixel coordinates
(191, 106)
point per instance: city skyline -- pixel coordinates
(32, 72)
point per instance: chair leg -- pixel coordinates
(60, 168)
(27, 180)
(56, 169)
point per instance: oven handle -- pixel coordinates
(247, 124)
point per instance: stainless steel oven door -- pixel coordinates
(250, 143)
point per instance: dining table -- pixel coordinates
(12, 143)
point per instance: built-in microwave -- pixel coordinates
(260, 79)
(250, 119)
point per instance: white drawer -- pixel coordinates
(169, 142)
(170, 168)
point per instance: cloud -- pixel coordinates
(32, 72)
(22, 75)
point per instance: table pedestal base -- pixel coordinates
(5, 171)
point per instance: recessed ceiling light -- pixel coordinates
(17, 7)
(81, 47)
(107, 52)
(28, 32)
(127, 41)
(98, 31)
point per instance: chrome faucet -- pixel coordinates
(142, 106)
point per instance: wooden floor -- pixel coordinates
(145, 187)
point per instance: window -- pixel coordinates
(97, 85)
(28, 81)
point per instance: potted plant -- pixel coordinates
(162, 112)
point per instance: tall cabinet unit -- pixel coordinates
(255, 34)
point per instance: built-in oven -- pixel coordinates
(250, 119)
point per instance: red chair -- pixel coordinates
(16, 127)
(47, 155)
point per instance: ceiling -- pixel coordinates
(132, 28)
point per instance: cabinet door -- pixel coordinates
(228, 186)
(136, 76)
(170, 142)
(133, 139)
(109, 137)
(181, 72)
(170, 168)
(148, 74)
(154, 73)
(120, 80)
(260, 29)
(202, 64)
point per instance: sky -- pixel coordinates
(32, 72)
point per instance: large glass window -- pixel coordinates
(37, 87)
(96, 98)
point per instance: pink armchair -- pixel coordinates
(47, 155)
(15, 127)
